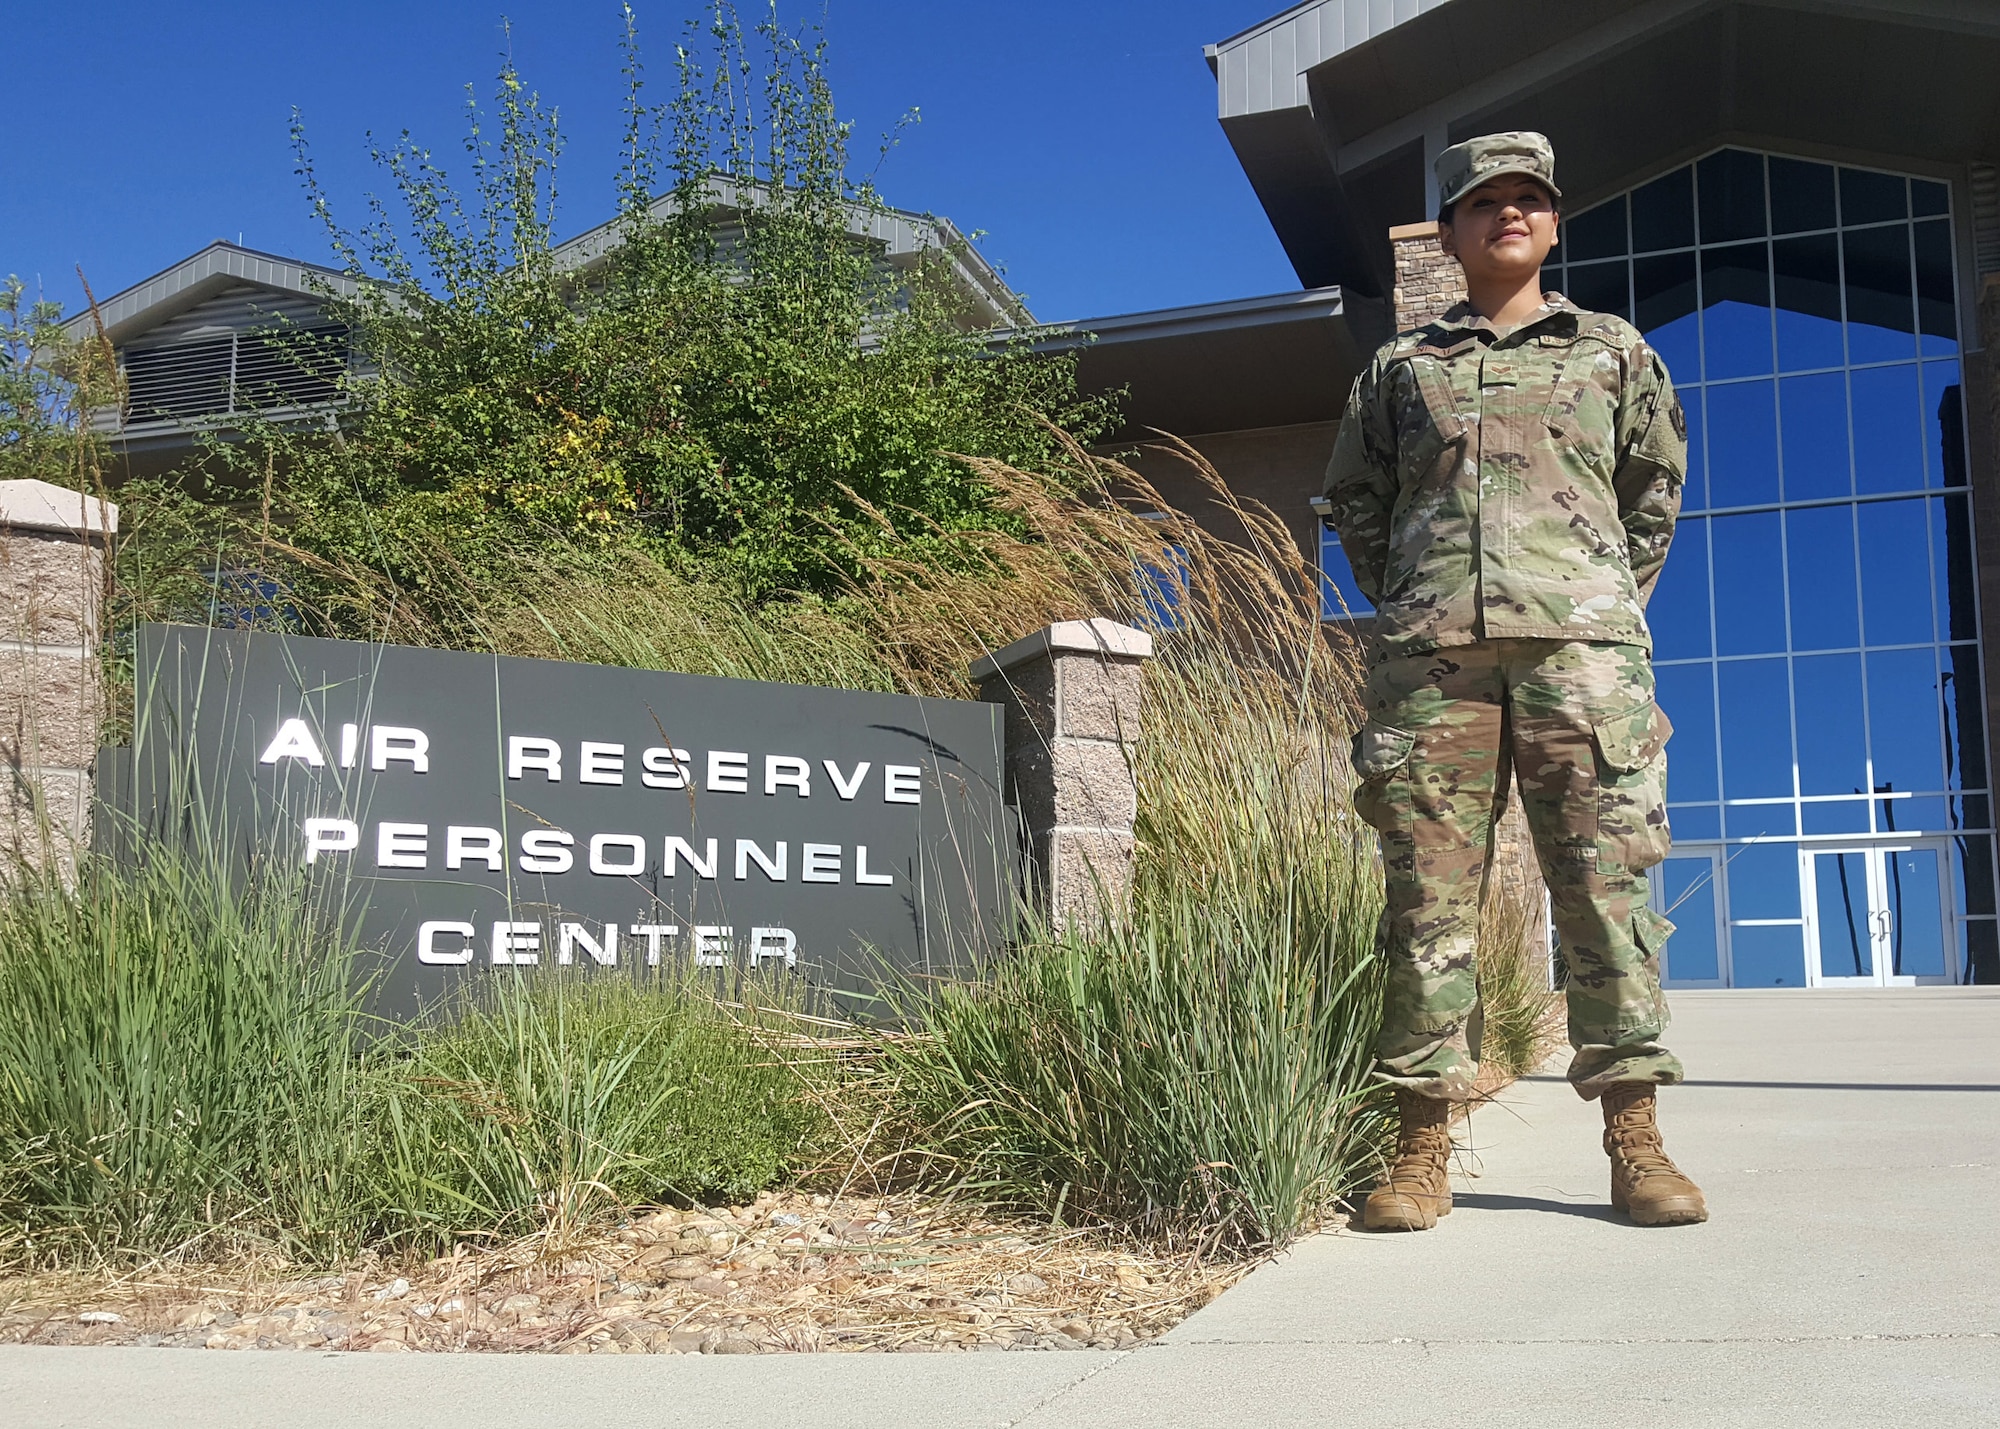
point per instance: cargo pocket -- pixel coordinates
(1632, 832)
(1382, 776)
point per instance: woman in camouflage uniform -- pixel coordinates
(1505, 486)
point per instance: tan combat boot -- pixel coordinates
(1645, 1185)
(1416, 1189)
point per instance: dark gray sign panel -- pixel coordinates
(488, 811)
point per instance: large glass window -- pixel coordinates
(1815, 626)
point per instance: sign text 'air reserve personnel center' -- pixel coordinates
(1797, 202)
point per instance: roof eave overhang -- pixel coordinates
(1336, 128)
(196, 278)
(1276, 361)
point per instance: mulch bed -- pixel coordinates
(789, 1273)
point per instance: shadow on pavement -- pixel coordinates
(1486, 1201)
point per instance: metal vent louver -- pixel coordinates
(235, 373)
(1986, 218)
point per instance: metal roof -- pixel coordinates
(1265, 66)
(152, 301)
(900, 234)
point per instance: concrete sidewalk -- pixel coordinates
(1849, 1143)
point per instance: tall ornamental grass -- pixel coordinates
(1199, 1067)
(187, 1070)
(180, 1065)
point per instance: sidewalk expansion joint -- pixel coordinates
(1052, 1397)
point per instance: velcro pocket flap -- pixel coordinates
(1381, 749)
(1631, 739)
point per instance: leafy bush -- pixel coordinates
(765, 401)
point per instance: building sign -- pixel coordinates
(483, 811)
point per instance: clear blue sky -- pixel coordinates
(1079, 134)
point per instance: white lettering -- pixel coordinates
(524, 752)
(330, 836)
(469, 841)
(388, 741)
(294, 741)
(547, 851)
(787, 772)
(846, 788)
(571, 934)
(427, 948)
(679, 848)
(631, 843)
(728, 773)
(711, 945)
(600, 763)
(652, 933)
(902, 784)
(770, 944)
(666, 768)
(516, 944)
(861, 873)
(747, 850)
(819, 863)
(402, 845)
(350, 744)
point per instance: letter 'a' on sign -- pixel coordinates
(294, 741)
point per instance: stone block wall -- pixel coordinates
(53, 572)
(1072, 695)
(1427, 280)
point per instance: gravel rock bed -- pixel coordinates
(787, 1274)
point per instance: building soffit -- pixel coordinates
(1339, 150)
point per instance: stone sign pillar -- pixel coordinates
(1428, 281)
(1072, 697)
(54, 548)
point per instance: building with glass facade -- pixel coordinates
(1798, 201)
(1797, 204)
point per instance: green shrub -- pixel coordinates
(546, 1100)
(763, 405)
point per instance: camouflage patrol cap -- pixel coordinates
(1464, 167)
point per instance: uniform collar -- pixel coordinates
(1461, 318)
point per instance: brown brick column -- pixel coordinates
(53, 553)
(1072, 696)
(1428, 282)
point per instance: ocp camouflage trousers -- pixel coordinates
(1576, 728)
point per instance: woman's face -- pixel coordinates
(1502, 230)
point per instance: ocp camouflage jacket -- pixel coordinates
(1520, 484)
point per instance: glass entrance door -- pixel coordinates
(1688, 890)
(1877, 915)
